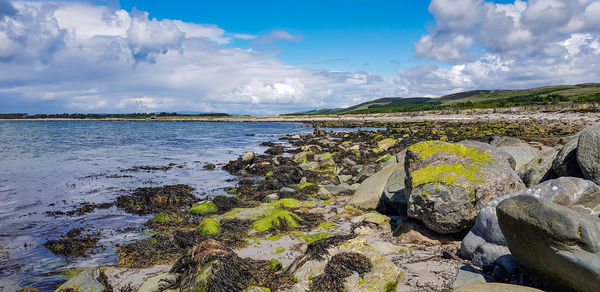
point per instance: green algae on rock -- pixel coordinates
(209, 226)
(278, 218)
(206, 208)
(447, 184)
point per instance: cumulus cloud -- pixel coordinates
(517, 45)
(74, 56)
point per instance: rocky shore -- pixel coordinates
(422, 206)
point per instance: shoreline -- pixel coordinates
(315, 189)
(483, 116)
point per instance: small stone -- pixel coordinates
(271, 198)
(248, 156)
(285, 191)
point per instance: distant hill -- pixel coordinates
(587, 92)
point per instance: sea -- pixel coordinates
(50, 166)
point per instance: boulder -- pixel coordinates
(340, 189)
(392, 201)
(369, 192)
(521, 153)
(447, 184)
(467, 275)
(588, 153)
(84, 281)
(538, 169)
(287, 192)
(553, 239)
(365, 172)
(565, 163)
(323, 194)
(485, 244)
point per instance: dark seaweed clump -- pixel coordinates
(150, 200)
(74, 243)
(166, 248)
(225, 204)
(338, 268)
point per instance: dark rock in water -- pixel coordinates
(588, 153)
(156, 199)
(565, 163)
(268, 144)
(447, 184)
(539, 169)
(340, 266)
(275, 150)
(76, 242)
(319, 132)
(241, 163)
(553, 241)
(209, 166)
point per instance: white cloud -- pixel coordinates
(517, 45)
(79, 57)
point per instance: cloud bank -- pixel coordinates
(518, 45)
(77, 57)
(70, 56)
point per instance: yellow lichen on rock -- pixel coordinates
(428, 148)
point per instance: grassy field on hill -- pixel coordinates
(589, 92)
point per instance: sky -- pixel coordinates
(271, 57)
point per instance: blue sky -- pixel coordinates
(345, 35)
(269, 57)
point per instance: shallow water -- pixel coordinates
(67, 162)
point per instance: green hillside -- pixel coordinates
(588, 92)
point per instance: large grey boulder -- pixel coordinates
(553, 240)
(565, 163)
(538, 169)
(521, 153)
(393, 202)
(588, 153)
(447, 184)
(485, 244)
(369, 192)
(84, 281)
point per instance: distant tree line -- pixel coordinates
(104, 116)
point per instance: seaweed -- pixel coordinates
(338, 268)
(150, 200)
(74, 243)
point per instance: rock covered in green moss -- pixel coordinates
(275, 219)
(203, 209)
(447, 184)
(209, 226)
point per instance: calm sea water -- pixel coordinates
(67, 162)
